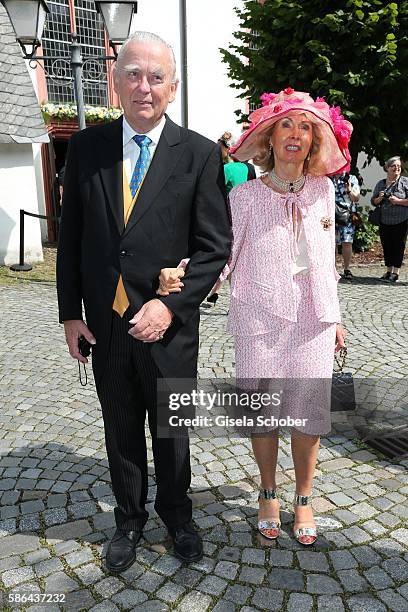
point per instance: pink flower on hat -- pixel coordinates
(288, 91)
(277, 108)
(319, 99)
(267, 98)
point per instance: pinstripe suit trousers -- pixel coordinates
(127, 390)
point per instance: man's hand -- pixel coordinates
(151, 322)
(340, 337)
(75, 328)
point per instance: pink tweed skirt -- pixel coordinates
(294, 357)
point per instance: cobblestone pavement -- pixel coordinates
(56, 501)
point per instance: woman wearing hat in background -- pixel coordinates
(284, 311)
(391, 194)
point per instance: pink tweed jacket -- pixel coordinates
(264, 248)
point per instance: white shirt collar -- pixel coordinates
(154, 134)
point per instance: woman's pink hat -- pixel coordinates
(334, 131)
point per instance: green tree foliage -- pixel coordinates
(354, 53)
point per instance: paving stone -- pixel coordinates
(352, 581)
(47, 567)
(281, 558)
(108, 587)
(387, 547)
(89, 574)
(194, 602)
(226, 569)
(253, 575)
(335, 464)
(213, 585)
(267, 599)
(322, 585)
(342, 559)
(15, 576)
(149, 582)
(393, 600)
(55, 516)
(397, 568)
(170, 592)
(223, 605)
(37, 556)
(289, 579)
(356, 535)
(167, 565)
(69, 531)
(378, 578)
(401, 535)
(341, 499)
(79, 557)
(31, 507)
(365, 603)
(229, 553)
(129, 598)
(238, 594)
(132, 573)
(253, 556)
(8, 527)
(60, 583)
(299, 601)
(78, 601)
(105, 606)
(30, 522)
(313, 561)
(63, 548)
(328, 603)
(187, 577)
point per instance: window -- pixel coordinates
(56, 41)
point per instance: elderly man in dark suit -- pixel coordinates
(141, 193)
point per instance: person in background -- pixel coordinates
(61, 175)
(347, 191)
(391, 193)
(235, 172)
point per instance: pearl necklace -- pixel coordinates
(284, 185)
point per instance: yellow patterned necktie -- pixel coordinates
(130, 194)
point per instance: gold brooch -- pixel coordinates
(326, 222)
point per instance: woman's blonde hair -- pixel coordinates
(265, 159)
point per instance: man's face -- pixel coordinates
(142, 80)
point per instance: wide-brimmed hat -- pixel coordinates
(333, 131)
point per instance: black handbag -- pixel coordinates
(342, 213)
(374, 215)
(343, 397)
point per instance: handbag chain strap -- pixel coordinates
(340, 359)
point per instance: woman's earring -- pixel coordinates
(270, 148)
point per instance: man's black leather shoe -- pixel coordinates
(121, 552)
(187, 543)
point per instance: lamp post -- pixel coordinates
(28, 19)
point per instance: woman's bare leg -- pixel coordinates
(266, 455)
(304, 452)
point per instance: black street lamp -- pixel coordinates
(28, 18)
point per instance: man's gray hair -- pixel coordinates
(391, 161)
(149, 37)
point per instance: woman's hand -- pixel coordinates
(169, 280)
(394, 200)
(340, 337)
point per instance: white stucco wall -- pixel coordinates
(210, 25)
(18, 190)
(371, 175)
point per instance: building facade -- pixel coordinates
(211, 101)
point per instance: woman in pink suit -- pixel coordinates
(284, 312)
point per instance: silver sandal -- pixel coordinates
(269, 528)
(304, 532)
